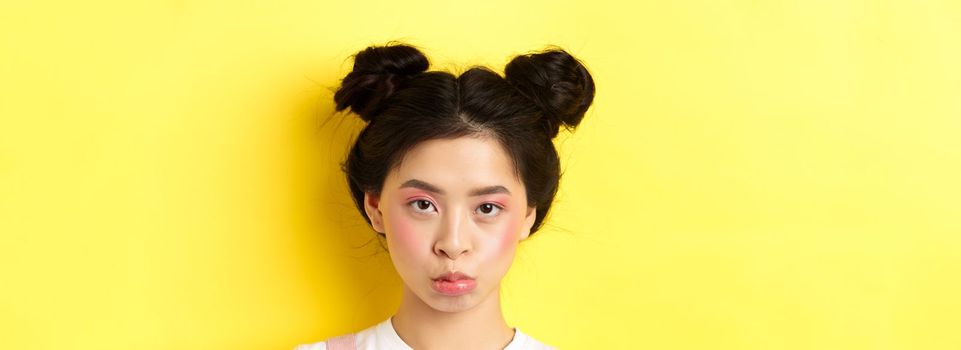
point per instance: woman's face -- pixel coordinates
(453, 205)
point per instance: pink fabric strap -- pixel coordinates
(344, 342)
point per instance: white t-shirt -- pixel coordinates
(383, 336)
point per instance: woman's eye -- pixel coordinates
(488, 209)
(422, 205)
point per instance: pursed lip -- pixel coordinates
(453, 276)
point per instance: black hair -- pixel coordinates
(404, 104)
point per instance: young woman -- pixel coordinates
(454, 172)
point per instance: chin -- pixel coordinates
(452, 304)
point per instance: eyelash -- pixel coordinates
(495, 208)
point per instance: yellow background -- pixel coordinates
(752, 175)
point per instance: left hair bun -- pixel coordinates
(379, 72)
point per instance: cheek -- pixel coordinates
(507, 239)
(408, 242)
(405, 233)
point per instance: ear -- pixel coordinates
(372, 207)
(529, 222)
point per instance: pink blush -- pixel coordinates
(407, 243)
(403, 228)
(509, 236)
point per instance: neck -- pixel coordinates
(423, 327)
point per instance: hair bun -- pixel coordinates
(555, 81)
(379, 71)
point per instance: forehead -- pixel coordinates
(458, 162)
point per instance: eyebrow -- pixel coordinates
(414, 183)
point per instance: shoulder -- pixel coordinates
(523, 341)
(321, 345)
(346, 341)
(365, 339)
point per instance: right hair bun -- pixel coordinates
(379, 71)
(555, 81)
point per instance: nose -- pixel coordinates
(454, 238)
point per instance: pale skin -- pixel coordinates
(452, 205)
